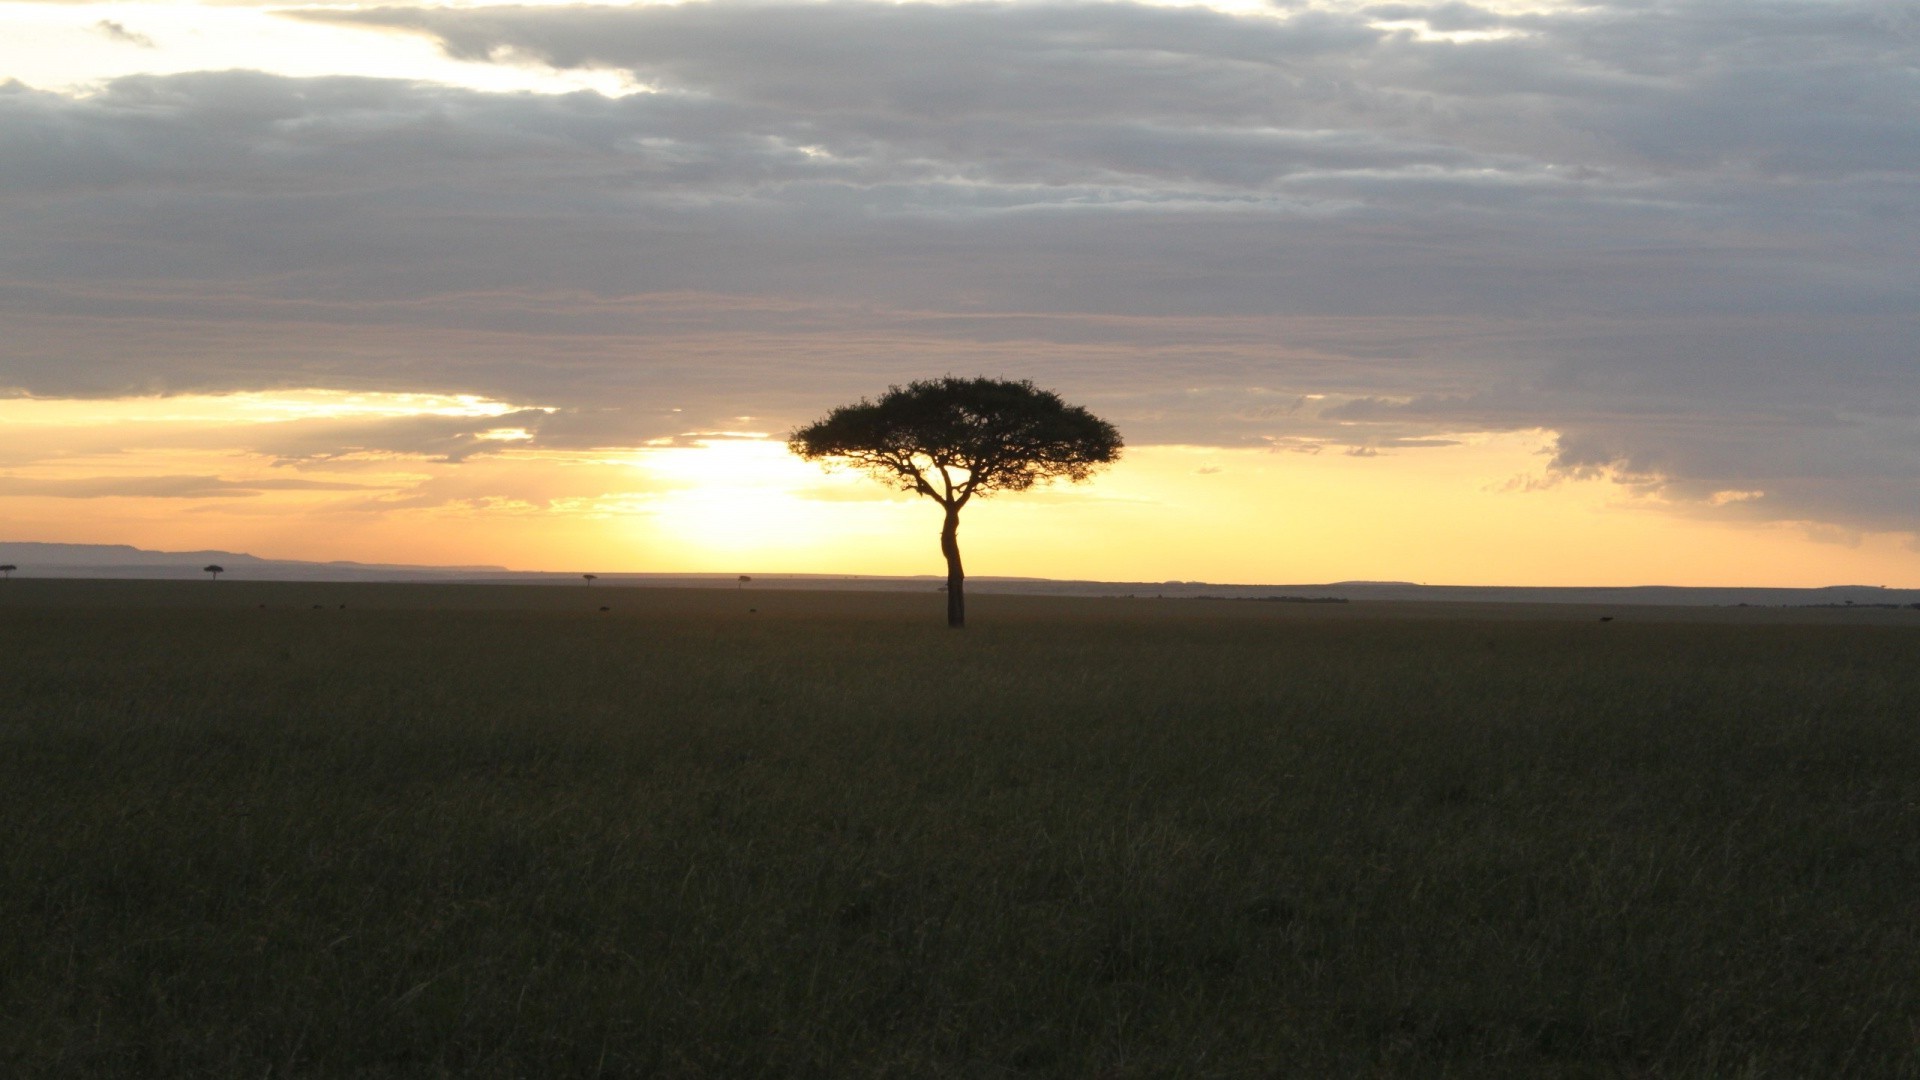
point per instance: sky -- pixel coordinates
(1536, 293)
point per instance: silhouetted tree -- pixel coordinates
(744, 578)
(590, 578)
(213, 572)
(951, 439)
(6, 572)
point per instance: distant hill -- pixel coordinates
(124, 561)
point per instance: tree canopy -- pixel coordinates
(952, 438)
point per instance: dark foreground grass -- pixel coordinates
(830, 838)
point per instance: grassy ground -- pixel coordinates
(497, 832)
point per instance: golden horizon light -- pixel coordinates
(209, 472)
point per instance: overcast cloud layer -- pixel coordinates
(1681, 233)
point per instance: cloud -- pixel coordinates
(119, 32)
(446, 438)
(1680, 234)
(159, 487)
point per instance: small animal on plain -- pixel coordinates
(1606, 618)
(606, 609)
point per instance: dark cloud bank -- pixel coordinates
(1682, 233)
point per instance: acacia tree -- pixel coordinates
(213, 572)
(7, 571)
(951, 439)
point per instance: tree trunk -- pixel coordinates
(956, 577)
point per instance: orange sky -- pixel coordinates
(191, 473)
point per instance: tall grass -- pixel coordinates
(830, 838)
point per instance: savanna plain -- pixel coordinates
(286, 830)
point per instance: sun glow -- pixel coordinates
(724, 500)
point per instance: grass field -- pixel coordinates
(496, 832)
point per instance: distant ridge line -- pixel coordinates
(55, 560)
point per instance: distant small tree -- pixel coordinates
(590, 578)
(951, 439)
(744, 578)
(6, 572)
(213, 572)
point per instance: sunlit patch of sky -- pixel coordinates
(74, 47)
(254, 407)
(1424, 31)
